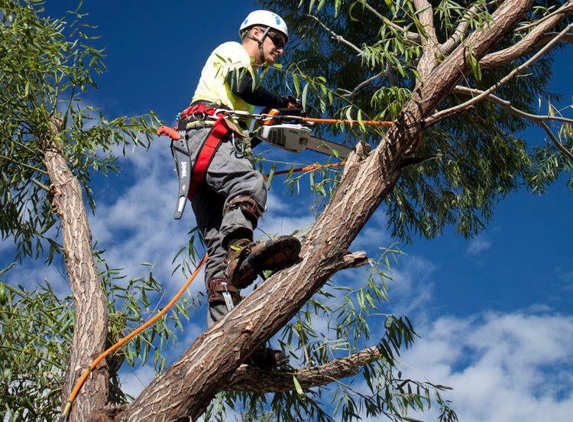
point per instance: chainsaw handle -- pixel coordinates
(172, 133)
(268, 114)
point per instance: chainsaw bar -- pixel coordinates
(328, 147)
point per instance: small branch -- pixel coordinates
(22, 164)
(410, 36)
(507, 104)
(361, 85)
(41, 185)
(253, 380)
(452, 42)
(356, 259)
(354, 159)
(530, 41)
(555, 141)
(564, 8)
(520, 113)
(416, 161)
(444, 114)
(545, 38)
(335, 35)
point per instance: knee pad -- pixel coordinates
(248, 206)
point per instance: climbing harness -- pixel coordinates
(191, 177)
(288, 129)
(94, 364)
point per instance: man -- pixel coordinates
(232, 195)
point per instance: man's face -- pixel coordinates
(273, 44)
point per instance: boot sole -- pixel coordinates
(281, 253)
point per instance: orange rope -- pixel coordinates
(125, 339)
(311, 167)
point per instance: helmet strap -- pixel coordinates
(261, 52)
(260, 43)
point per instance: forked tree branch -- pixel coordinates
(184, 390)
(444, 114)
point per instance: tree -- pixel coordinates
(418, 57)
(51, 143)
(474, 44)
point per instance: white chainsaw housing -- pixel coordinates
(296, 138)
(292, 137)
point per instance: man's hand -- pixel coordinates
(292, 102)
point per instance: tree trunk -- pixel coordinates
(91, 323)
(185, 389)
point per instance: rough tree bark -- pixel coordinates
(91, 324)
(185, 389)
(247, 378)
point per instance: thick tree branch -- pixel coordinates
(444, 114)
(530, 41)
(66, 199)
(248, 379)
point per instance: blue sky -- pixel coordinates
(495, 313)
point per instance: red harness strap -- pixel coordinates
(205, 155)
(209, 147)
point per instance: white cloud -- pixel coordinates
(138, 225)
(503, 367)
(478, 245)
(413, 288)
(565, 279)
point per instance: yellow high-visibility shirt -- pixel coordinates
(213, 86)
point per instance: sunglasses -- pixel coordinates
(277, 40)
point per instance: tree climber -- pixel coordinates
(232, 196)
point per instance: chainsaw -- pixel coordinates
(296, 138)
(285, 129)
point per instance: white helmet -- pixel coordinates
(264, 18)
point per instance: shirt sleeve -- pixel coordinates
(241, 83)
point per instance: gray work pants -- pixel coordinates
(229, 176)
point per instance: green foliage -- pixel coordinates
(45, 66)
(360, 58)
(37, 328)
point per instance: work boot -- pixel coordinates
(267, 359)
(246, 260)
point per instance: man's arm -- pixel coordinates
(241, 84)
